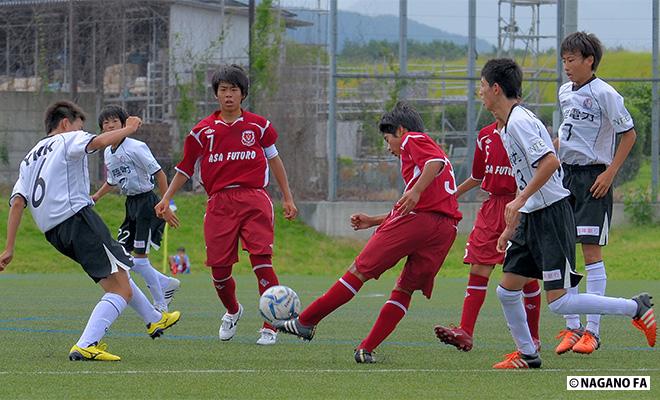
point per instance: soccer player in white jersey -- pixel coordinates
(53, 182)
(131, 166)
(593, 117)
(539, 238)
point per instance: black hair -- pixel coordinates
(113, 111)
(233, 74)
(506, 73)
(403, 114)
(57, 111)
(181, 249)
(585, 43)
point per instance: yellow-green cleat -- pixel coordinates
(157, 328)
(93, 352)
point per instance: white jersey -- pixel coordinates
(54, 178)
(131, 166)
(526, 141)
(593, 115)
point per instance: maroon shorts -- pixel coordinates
(481, 247)
(237, 213)
(424, 237)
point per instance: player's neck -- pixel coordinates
(503, 109)
(229, 116)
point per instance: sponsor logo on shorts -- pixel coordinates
(553, 275)
(138, 244)
(588, 230)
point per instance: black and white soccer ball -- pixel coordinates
(279, 303)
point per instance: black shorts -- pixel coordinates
(543, 247)
(85, 239)
(592, 216)
(141, 228)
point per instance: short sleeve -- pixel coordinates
(146, 158)
(192, 151)
(76, 144)
(616, 111)
(529, 137)
(422, 149)
(479, 161)
(20, 189)
(269, 136)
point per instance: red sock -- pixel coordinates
(262, 266)
(392, 312)
(532, 297)
(225, 286)
(339, 294)
(475, 294)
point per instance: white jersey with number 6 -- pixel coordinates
(54, 178)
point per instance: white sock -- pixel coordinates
(142, 306)
(586, 303)
(596, 283)
(516, 318)
(143, 267)
(572, 320)
(104, 314)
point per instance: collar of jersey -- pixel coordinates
(575, 89)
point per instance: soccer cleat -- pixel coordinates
(644, 319)
(228, 324)
(268, 337)
(93, 352)
(568, 339)
(363, 356)
(169, 291)
(156, 329)
(518, 360)
(455, 336)
(294, 327)
(588, 343)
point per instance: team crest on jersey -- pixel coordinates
(248, 138)
(587, 103)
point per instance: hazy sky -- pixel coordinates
(624, 23)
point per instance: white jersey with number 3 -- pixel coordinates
(54, 178)
(527, 141)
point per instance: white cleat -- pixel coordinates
(267, 338)
(170, 290)
(228, 325)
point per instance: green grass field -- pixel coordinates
(46, 299)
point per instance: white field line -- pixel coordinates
(316, 371)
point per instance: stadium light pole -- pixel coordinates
(655, 110)
(332, 105)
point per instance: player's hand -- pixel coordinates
(407, 202)
(133, 123)
(361, 221)
(95, 198)
(602, 184)
(290, 209)
(161, 208)
(511, 213)
(5, 258)
(170, 217)
(503, 240)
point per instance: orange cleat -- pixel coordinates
(517, 360)
(587, 344)
(568, 339)
(645, 320)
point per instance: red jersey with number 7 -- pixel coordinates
(418, 149)
(229, 154)
(491, 163)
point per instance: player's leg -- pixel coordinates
(532, 300)
(262, 266)
(596, 283)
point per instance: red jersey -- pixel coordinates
(229, 155)
(491, 163)
(417, 149)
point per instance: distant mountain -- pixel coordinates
(363, 28)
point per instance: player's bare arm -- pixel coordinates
(363, 221)
(277, 166)
(15, 214)
(107, 139)
(467, 185)
(547, 166)
(409, 200)
(103, 190)
(169, 216)
(604, 181)
(177, 182)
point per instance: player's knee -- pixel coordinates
(560, 305)
(596, 272)
(221, 274)
(508, 296)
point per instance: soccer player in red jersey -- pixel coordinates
(235, 150)
(492, 170)
(421, 227)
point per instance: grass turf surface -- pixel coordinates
(43, 314)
